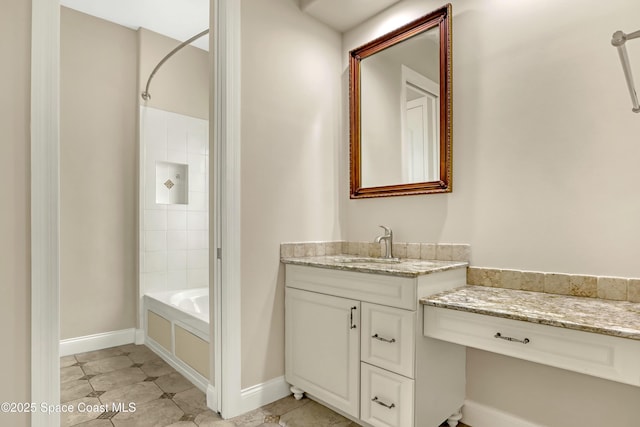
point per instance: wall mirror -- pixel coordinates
(400, 101)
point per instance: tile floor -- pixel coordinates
(133, 374)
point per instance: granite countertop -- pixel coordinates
(616, 318)
(405, 267)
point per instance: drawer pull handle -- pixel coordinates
(390, 341)
(353, 325)
(499, 335)
(379, 402)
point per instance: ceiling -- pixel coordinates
(178, 19)
(182, 19)
(343, 15)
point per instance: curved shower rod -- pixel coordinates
(146, 95)
(618, 40)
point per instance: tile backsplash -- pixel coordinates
(604, 287)
(437, 251)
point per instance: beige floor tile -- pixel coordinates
(96, 423)
(313, 415)
(156, 368)
(128, 348)
(72, 390)
(109, 364)
(160, 412)
(99, 354)
(250, 419)
(70, 373)
(67, 361)
(192, 401)
(218, 423)
(138, 393)
(117, 379)
(139, 353)
(209, 418)
(170, 400)
(173, 383)
(77, 417)
(282, 406)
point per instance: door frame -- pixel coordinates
(45, 207)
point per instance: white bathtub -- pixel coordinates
(193, 301)
(177, 328)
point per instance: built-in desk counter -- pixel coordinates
(592, 336)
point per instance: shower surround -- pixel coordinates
(174, 204)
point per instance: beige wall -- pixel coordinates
(290, 162)
(181, 85)
(15, 266)
(545, 174)
(545, 146)
(101, 66)
(98, 173)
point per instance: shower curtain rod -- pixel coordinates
(146, 95)
(618, 40)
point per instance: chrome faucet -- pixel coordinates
(388, 241)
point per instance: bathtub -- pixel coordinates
(176, 327)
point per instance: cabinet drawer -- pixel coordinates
(376, 288)
(386, 398)
(388, 338)
(588, 353)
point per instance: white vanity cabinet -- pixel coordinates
(354, 342)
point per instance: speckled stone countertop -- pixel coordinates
(405, 267)
(616, 318)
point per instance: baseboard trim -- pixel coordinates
(262, 394)
(97, 341)
(478, 415)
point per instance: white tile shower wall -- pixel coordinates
(174, 237)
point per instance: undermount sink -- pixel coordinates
(367, 260)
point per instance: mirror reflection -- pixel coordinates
(400, 112)
(400, 108)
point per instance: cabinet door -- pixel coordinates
(322, 347)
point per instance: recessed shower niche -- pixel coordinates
(172, 183)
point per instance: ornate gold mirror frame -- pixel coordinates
(440, 19)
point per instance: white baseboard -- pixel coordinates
(262, 394)
(478, 415)
(97, 341)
